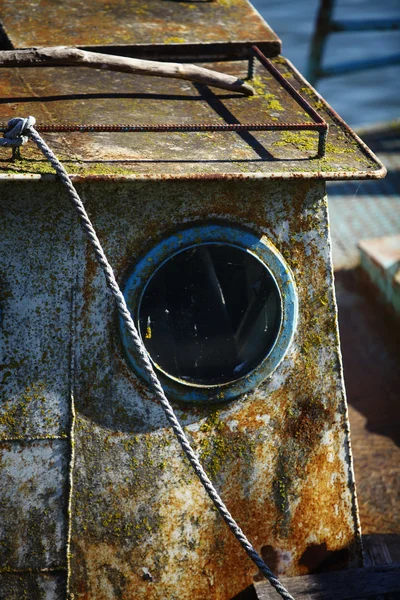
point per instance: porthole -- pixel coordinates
(216, 309)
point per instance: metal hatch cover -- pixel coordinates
(84, 96)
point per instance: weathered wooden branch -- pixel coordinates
(59, 56)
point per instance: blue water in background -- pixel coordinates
(361, 98)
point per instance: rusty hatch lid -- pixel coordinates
(87, 96)
(170, 27)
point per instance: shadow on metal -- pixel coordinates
(247, 594)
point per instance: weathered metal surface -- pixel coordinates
(35, 315)
(66, 95)
(36, 279)
(31, 586)
(279, 455)
(33, 501)
(316, 124)
(115, 23)
(140, 524)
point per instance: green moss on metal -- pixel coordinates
(261, 90)
(274, 104)
(303, 140)
(307, 91)
(280, 487)
(174, 40)
(28, 166)
(220, 445)
(227, 3)
(15, 420)
(333, 149)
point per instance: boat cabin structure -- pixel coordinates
(211, 206)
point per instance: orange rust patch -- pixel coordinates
(325, 506)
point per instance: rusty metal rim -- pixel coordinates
(279, 175)
(334, 115)
(260, 248)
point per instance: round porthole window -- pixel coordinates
(216, 309)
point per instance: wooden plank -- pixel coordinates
(353, 584)
(381, 549)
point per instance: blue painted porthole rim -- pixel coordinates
(260, 248)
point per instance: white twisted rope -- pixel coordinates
(23, 129)
(18, 132)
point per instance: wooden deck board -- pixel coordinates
(353, 584)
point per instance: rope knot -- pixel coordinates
(18, 132)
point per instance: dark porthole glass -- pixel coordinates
(210, 314)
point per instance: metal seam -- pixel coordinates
(71, 434)
(38, 571)
(34, 438)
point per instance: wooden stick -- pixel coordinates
(59, 56)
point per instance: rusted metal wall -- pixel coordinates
(125, 515)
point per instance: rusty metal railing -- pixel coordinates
(317, 123)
